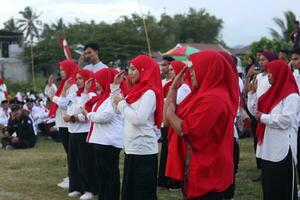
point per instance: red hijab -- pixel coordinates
(284, 85)
(86, 75)
(105, 77)
(178, 66)
(215, 77)
(70, 68)
(150, 79)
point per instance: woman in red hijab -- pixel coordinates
(185, 89)
(277, 113)
(81, 160)
(107, 135)
(204, 124)
(66, 91)
(142, 110)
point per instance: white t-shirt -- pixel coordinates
(74, 108)
(96, 67)
(108, 126)
(281, 130)
(62, 103)
(140, 132)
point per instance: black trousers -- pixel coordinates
(108, 173)
(140, 177)
(21, 144)
(229, 192)
(279, 179)
(163, 181)
(64, 134)
(81, 163)
(210, 196)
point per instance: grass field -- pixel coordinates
(33, 174)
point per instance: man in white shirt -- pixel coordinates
(4, 114)
(91, 52)
(295, 60)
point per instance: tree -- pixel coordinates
(286, 26)
(10, 25)
(30, 24)
(266, 44)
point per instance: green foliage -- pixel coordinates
(10, 25)
(125, 38)
(286, 26)
(14, 87)
(266, 44)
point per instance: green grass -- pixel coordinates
(33, 174)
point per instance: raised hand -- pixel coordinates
(67, 84)
(87, 85)
(179, 79)
(50, 80)
(119, 77)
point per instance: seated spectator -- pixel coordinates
(20, 132)
(4, 114)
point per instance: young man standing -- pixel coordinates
(91, 52)
(295, 35)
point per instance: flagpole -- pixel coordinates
(145, 28)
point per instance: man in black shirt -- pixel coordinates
(20, 133)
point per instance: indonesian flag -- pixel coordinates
(64, 44)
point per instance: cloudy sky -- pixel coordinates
(244, 20)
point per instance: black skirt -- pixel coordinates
(163, 181)
(279, 179)
(139, 177)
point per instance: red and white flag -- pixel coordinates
(64, 44)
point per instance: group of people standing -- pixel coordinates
(99, 111)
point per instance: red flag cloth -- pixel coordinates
(105, 77)
(86, 75)
(208, 118)
(284, 85)
(70, 68)
(64, 44)
(149, 79)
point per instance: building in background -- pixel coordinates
(12, 68)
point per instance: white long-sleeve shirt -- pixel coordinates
(140, 132)
(96, 67)
(182, 92)
(262, 86)
(4, 116)
(62, 103)
(108, 126)
(281, 130)
(74, 108)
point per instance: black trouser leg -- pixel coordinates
(107, 159)
(64, 134)
(140, 177)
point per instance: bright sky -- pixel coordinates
(245, 21)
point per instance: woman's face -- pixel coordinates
(134, 74)
(99, 88)
(193, 78)
(271, 78)
(171, 72)
(263, 61)
(79, 81)
(62, 73)
(250, 61)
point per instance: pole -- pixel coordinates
(32, 63)
(145, 28)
